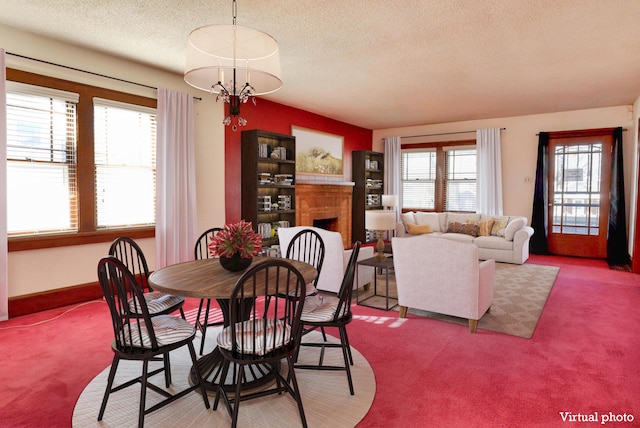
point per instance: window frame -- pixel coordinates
(87, 232)
(440, 187)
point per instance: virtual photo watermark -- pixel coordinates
(601, 418)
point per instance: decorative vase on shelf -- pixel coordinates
(235, 263)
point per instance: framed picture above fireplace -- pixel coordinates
(318, 153)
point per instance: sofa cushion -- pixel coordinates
(469, 228)
(515, 224)
(415, 229)
(499, 224)
(408, 218)
(494, 243)
(442, 219)
(458, 237)
(431, 219)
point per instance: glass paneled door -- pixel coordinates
(579, 181)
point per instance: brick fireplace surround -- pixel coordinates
(323, 201)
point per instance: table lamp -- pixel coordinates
(379, 220)
(390, 201)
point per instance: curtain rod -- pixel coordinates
(85, 71)
(580, 130)
(443, 133)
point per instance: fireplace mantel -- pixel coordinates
(317, 201)
(325, 183)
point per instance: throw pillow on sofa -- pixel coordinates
(485, 227)
(469, 228)
(415, 229)
(499, 224)
(461, 218)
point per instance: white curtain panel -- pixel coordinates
(176, 222)
(489, 172)
(4, 280)
(392, 179)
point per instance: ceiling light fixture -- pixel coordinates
(241, 54)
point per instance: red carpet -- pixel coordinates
(583, 358)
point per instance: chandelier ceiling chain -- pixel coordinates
(243, 53)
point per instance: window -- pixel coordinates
(80, 161)
(460, 179)
(419, 179)
(41, 160)
(125, 149)
(439, 176)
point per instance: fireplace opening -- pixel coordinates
(326, 223)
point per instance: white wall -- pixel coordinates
(47, 269)
(520, 145)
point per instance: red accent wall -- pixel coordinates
(274, 117)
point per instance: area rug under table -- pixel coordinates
(519, 295)
(325, 396)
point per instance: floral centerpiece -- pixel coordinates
(236, 245)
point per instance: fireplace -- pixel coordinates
(325, 205)
(326, 223)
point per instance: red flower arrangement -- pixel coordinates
(238, 238)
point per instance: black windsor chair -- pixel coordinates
(142, 337)
(129, 252)
(327, 310)
(261, 334)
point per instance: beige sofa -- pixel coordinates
(442, 276)
(336, 258)
(502, 238)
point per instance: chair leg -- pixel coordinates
(324, 335)
(236, 399)
(182, 314)
(346, 353)
(203, 327)
(194, 360)
(294, 382)
(167, 369)
(143, 393)
(112, 375)
(347, 344)
(473, 325)
(220, 389)
(403, 311)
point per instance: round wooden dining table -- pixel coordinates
(207, 279)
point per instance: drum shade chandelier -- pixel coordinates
(247, 58)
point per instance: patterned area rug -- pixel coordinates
(520, 293)
(320, 390)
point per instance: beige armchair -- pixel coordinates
(336, 258)
(442, 276)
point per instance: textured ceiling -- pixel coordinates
(381, 64)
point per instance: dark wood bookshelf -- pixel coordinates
(268, 176)
(368, 175)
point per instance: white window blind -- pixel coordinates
(460, 179)
(41, 160)
(418, 172)
(125, 164)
